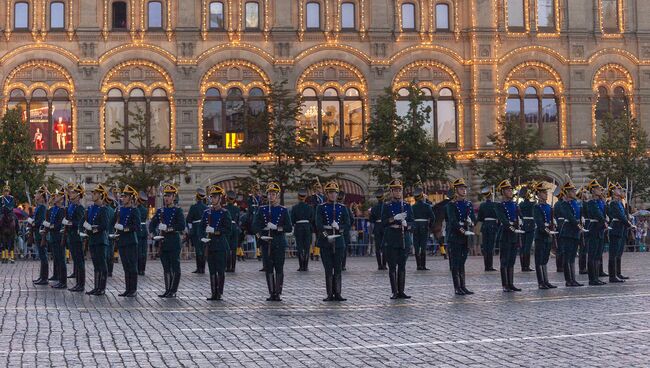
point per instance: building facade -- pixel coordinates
(77, 67)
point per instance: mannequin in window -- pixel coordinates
(38, 140)
(60, 129)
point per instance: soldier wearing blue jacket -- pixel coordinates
(55, 238)
(543, 215)
(215, 229)
(127, 225)
(7, 205)
(41, 197)
(168, 223)
(424, 218)
(528, 226)
(570, 232)
(143, 234)
(597, 226)
(618, 234)
(73, 220)
(489, 228)
(271, 223)
(376, 213)
(302, 217)
(233, 237)
(193, 220)
(507, 213)
(96, 230)
(460, 222)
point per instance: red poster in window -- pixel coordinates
(38, 124)
(61, 134)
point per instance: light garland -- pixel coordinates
(620, 20)
(600, 81)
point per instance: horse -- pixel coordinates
(8, 228)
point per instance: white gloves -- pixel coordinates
(162, 227)
(209, 230)
(332, 238)
(400, 216)
(65, 222)
(119, 227)
(87, 226)
(335, 225)
(47, 224)
(189, 226)
(30, 220)
(205, 240)
(404, 224)
(272, 226)
(469, 233)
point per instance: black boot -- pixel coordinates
(101, 287)
(133, 287)
(127, 284)
(337, 288)
(418, 267)
(592, 272)
(504, 279)
(55, 272)
(345, 258)
(300, 262)
(234, 260)
(96, 285)
(198, 264)
(582, 264)
(173, 287)
(279, 282)
(456, 279)
(141, 264)
(168, 277)
(214, 288)
(540, 278)
(545, 273)
(379, 262)
(401, 283)
(461, 275)
(80, 275)
(423, 259)
(511, 279)
(220, 282)
(63, 279)
(42, 280)
(270, 283)
(611, 269)
(601, 271)
(525, 263)
(392, 276)
(490, 262)
(559, 262)
(486, 265)
(567, 273)
(329, 280)
(306, 262)
(598, 267)
(384, 261)
(573, 275)
(73, 275)
(618, 269)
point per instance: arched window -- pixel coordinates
(443, 117)
(213, 132)
(154, 15)
(216, 16)
(516, 17)
(57, 16)
(549, 119)
(610, 16)
(513, 104)
(352, 118)
(442, 17)
(602, 104)
(348, 15)
(313, 16)
(408, 17)
(160, 115)
(252, 15)
(120, 18)
(21, 16)
(309, 119)
(115, 119)
(615, 105)
(619, 103)
(49, 118)
(531, 109)
(540, 113)
(546, 15)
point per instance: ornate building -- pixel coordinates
(77, 67)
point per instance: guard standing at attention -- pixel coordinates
(193, 220)
(489, 228)
(96, 230)
(73, 221)
(233, 240)
(215, 228)
(424, 218)
(570, 232)
(302, 216)
(528, 226)
(127, 225)
(618, 234)
(41, 197)
(509, 222)
(559, 219)
(56, 238)
(597, 226)
(346, 230)
(376, 213)
(142, 233)
(543, 214)
(460, 222)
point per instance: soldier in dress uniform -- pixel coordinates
(332, 219)
(96, 230)
(111, 208)
(424, 218)
(41, 197)
(397, 221)
(55, 238)
(127, 224)
(73, 220)
(346, 229)
(460, 222)
(233, 240)
(7, 205)
(509, 222)
(168, 223)
(559, 219)
(302, 217)
(315, 200)
(271, 224)
(570, 232)
(489, 228)
(544, 233)
(142, 233)
(193, 220)
(376, 213)
(583, 198)
(597, 226)
(528, 226)
(618, 234)
(215, 228)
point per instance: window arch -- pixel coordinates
(313, 18)
(21, 16)
(252, 15)
(57, 15)
(546, 21)
(119, 15)
(613, 86)
(611, 16)
(442, 17)
(154, 15)
(216, 17)
(348, 14)
(408, 19)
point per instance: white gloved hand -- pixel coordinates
(335, 225)
(87, 226)
(400, 216)
(469, 233)
(189, 226)
(272, 226)
(331, 238)
(65, 222)
(46, 224)
(209, 230)
(162, 227)
(119, 227)
(205, 240)
(404, 224)
(30, 220)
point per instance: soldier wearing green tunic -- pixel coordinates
(193, 220)
(302, 216)
(597, 226)
(489, 229)
(570, 232)
(460, 223)
(618, 234)
(215, 229)
(543, 215)
(167, 224)
(235, 232)
(424, 218)
(143, 235)
(127, 225)
(376, 213)
(346, 229)
(397, 221)
(528, 226)
(96, 230)
(41, 197)
(111, 208)
(73, 220)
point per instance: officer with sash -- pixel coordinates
(302, 216)
(509, 231)
(215, 228)
(528, 226)
(127, 224)
(41, 197)
(96, 230)
(544, 234)
(235, 232)
(376, 213)
(618, 234)
(56, 239)
(168, 223)
(489, 228)
(597, 226)
(74, 218)
(193, 220)
(424, 218)
(143, 235)
(271, 224)
(570, 232)
(397, 221)
(460, 222)
(331, 219)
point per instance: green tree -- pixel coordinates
(144, 164)
(620, 155)
(381, 138)
(513, 156)
(280, 148)
(19, 165)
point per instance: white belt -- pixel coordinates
(561, 218)
(590, 220)
(233, 222)
(143, 223)
(377, 221)
(327, 227)
(461, 223)
(396, 226)
(421, 220)
(528, 218)
(614, 220)
(302, 222)
(196, 221)
(490, 219)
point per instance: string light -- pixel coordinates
(601, 80)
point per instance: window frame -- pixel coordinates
(517, 28)
(259, 18)
(448, 12)
(162, 15)
(434, 97)
(57, 29)
(540, 96)
(354, 17)
(415, 19)
(320, 22)
(126, 17)
(619, 26)
(223, 15)
(28, 20)
(546, 29)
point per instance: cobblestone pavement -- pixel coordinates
(607, 326)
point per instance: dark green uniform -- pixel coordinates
(526, 211)
(332, 249)
(397, 244)
(508, 215)
(302, 216)
(559, 218)
(75, 215)
(584, 242)
(346, 236)
(7, 204)
(273, 250)
(98, 218)
(142, 239)
(39, 217)
(110, 250)
(569, 238)
(542, 213)
(127, 245)
(170, 246)
(218, 248)
(233, 237)
(617, 238)
(423, 218)
(57, 245)
(595, 238)
(489, 228)
(194, 217)
(459, 213)
(376, 213)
